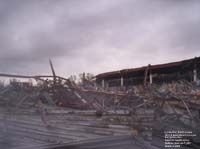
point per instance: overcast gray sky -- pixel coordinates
(95, 35)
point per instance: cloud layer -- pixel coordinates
(95, 36)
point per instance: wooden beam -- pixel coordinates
(146, 74)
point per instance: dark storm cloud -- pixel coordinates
(95, 36)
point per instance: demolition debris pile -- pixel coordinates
(176, 106)
(58, 111)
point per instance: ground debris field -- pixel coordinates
(59, 114)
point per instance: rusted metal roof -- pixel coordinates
(152, 67)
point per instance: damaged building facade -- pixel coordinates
(152, 74)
